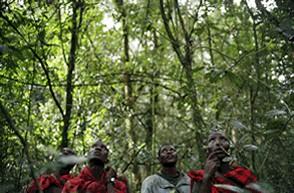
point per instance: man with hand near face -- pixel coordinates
(218, 175)
(169, 179)
(95, 178)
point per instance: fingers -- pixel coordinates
(225, 151)
(211, 166)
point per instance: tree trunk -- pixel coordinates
(185, 57)
(70, 74)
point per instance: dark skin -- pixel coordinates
(218, 146)
(168, 158)
(98, 157)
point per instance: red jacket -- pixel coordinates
(238, 176)
(87, 183)
(46, 181)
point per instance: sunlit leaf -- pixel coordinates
(250, 147)
(238, 125)
(230, 187)
(254, 186)
(275, 112)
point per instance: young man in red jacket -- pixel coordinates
(53, 183)
(95, 178)
(218, 175)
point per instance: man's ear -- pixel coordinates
(158, 158)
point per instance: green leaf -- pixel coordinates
(238, 125)
(230, 187)
(250, 147)
(275, 112)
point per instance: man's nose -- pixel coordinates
(217, 142)
(98, 148)
(170, 151)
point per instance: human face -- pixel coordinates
(218, 142)
(167, 155)
(99, 152)
(66, 159)
(67, 151)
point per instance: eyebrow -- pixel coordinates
(167, 147)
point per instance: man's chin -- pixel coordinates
(96, 160)
(169, 164)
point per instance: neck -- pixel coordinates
(96, 170)
(170, 171)
(224, 167)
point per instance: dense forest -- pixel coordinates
(141, 73)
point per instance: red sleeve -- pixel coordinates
(72, 185)
(244, 176)
(196, 175)
(120, 187)
(44, 183)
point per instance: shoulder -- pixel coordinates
(242, 174)
(72, 185)
(196, 175)
(74, 180)
(150, 182)
(121, 185)
(66, 177)
(242, 171)
(45, 182)
(185, 177)
(151, 179)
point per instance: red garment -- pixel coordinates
(239, 176)
(46, 181)
(87, 183)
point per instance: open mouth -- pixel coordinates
(170, 157)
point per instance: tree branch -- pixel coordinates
(43, 64)
(174, 42)
(25, 145)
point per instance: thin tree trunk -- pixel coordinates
(24, 143)
(185, 58)
(70, 73)
(128, 92)
(150, 123)
(254, 89)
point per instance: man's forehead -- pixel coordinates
(217, 133)
(99, 143)
(167, 147)
(67, 151)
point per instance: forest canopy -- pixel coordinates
(141, 73)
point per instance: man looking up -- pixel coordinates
(219, 176)
(95, 178)
(169, 179)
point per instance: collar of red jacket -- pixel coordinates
(240, 174)
(86, 182)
